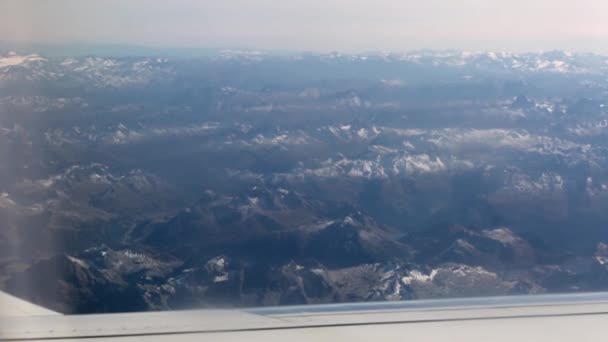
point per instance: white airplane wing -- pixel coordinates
(13, 306)
(551, 318)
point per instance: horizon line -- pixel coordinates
(289, 51)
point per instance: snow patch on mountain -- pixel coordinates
(418, 163)
(590, 129)
(418, 276)
(503, 235)
(6, 201)
(13, 59)
(350, 167)
(546, 182)
(285, 138)
(180, 131)
(475, 139)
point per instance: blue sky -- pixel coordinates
(314, 25)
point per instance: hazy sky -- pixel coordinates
(321, 25)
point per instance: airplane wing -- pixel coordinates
(552, 318)
(13, 306)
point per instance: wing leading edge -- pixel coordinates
(555, 318)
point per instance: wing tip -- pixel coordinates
(14, 306)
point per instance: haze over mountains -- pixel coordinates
(246, 178)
